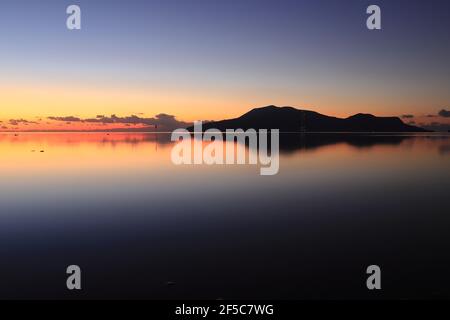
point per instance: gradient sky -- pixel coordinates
(204, 59)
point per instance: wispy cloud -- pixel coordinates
(15, 122)
(162, 120)
(66, 119)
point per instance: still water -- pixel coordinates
(141, 227)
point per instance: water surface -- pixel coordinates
(141, 227)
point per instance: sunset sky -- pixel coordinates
(200, 59)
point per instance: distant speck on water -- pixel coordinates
(42, 151)
(170, 283)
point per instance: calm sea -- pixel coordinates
(141, 227)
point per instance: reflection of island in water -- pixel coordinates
(295, 141)
(302, 142)
(288, 142)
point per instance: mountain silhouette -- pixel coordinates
(289, 119)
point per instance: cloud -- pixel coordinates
(164, 121)
(16, 122)
(66, 119)
(444, 113)
(407, 116)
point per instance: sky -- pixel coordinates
(170, 62)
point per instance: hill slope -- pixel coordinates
(288, 119)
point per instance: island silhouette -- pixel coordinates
(289, 119)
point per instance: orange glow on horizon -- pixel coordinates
(35, 103)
